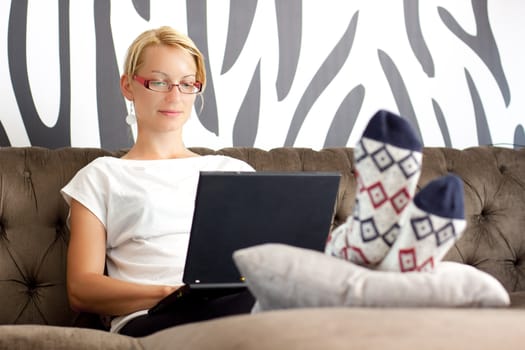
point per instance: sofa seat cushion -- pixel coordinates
(62, 338)
(315, 328)
(350, 328)
(282, 276)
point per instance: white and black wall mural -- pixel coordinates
(281, 72)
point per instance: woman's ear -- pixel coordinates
(125, 87)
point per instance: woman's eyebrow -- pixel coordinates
(168, 77)
(161, 73)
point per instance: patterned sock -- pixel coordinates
(435, 221)
(387, 167)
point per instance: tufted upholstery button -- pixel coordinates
(480, 218)
(31, 291)
(484, 215)
(27, 174)
(31, 285)
(60, 229)
(3, 233)
(502, 169)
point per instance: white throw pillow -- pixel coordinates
(282, 276)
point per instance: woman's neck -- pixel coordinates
(158, 148)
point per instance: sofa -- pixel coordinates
(34, 310)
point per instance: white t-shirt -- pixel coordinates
(147, 208)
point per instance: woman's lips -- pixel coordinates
(170, 113)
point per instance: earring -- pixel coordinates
(131, 118)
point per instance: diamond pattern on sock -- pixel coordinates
(377, 194)
(382, 159)
(361, 258)
(422, 227)
(400, 200)
(408, 261)
(390, 236)
(427, 265)
(409, 165)
(369, 230)
(445, 234)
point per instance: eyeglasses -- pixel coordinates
(184, 86)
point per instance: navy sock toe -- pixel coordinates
(390, 128)
(442, 197)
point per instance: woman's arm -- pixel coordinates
(87, 287)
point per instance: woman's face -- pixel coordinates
(163, 111)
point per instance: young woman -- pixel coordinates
(133, 214)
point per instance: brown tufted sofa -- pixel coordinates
(34, 311)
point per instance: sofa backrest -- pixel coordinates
(34, 234)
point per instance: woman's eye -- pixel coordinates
(187, 83)
(158, 83)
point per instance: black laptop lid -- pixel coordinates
(242, 209)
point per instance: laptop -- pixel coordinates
(235, 210)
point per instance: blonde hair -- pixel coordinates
(163, 36)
